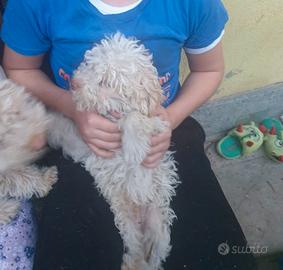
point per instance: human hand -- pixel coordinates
(160, 142)
(99, 133)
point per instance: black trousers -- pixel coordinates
(76, 229)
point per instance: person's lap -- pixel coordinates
(205, 218)
(77, 232)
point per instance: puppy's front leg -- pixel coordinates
(137, 130)
(23, 183)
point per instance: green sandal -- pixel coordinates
(240, 141)
(269, 123)
(273, 138)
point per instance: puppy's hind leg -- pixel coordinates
(156, 237)
(127, 221)
(50, 177)
(8, 210)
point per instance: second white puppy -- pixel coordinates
(23, 121)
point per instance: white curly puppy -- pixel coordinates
(118, 75)
(23, 122)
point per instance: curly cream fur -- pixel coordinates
(118, 75)
(21, 118)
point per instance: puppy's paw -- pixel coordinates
(51, 175)
(8, 211)
(48, 179)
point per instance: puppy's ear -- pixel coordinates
(84, 95)
(154, 95)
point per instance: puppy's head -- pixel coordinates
(117, 75)
(23, 123)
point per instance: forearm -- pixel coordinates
(197, 88)
(40, 86)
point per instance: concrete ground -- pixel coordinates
(254, 187)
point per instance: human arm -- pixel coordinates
(100, 134)
(207, 71)
(206, 74)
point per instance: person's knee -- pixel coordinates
(189, 133)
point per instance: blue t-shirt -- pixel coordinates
(67, 28)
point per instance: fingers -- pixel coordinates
(103, 142)
(159, 145)
(156, 154)
(160, 138)
(153, 160)
(102, 124)
(102, 148)
(107, 137)
(101, 135)
(160, 148)
(111, 146)
(101, 152)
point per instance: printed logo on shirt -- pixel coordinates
(65, 76)
(163, 80)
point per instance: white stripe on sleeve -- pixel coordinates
(207, 48)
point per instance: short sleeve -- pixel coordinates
(207, 22)
(23, 28)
